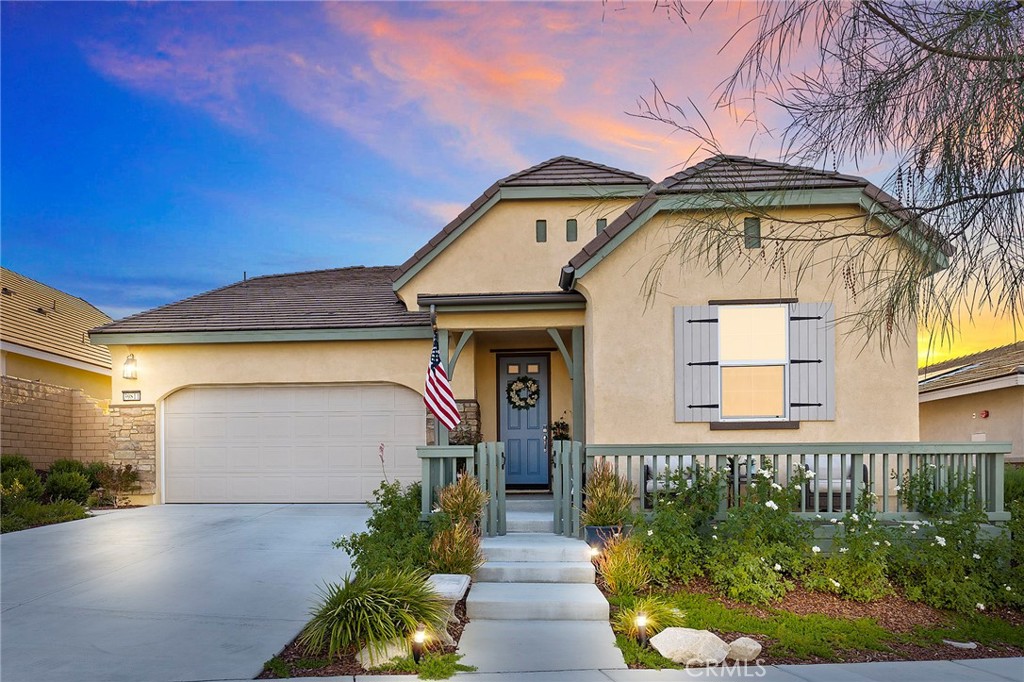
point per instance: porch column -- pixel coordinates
(579, 405)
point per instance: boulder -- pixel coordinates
(744, 650)
(395, 649)
(690, 647)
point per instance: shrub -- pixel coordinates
(622, 565)
(456, 549)
(28, 514)
(1013, 484)
(14, 462)
(371, 610)
(608, 497)
(116, 482)
(464, 500)
(93, 471)
(395, 538)
(659, 611)
(68, 465)
(67, 485)
(31, 486)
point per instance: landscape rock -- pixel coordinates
(961, 645)
(690, 647)
(395, 649)
(744, 650)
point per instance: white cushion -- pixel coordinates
(665, 465)
(840, 479)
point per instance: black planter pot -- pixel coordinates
(597, 536)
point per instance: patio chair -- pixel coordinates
(827, 488)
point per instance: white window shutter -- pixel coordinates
(812, 362)
(696, 358)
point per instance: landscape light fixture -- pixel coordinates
(595, 552)
(131, 368)
(418, 638)
(641, 628)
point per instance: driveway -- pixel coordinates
(165, 593)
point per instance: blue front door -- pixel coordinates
(522, 428)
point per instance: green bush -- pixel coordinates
(31, 486)
(371, 610)
(115, 483)
(14, 462)
(660, 613)
(1013, 484)
(622, 566)
(463, 500)
(456, 549)
(607, 497)
(29, 514)
(68, 485)
(395, 538)
(68, 465)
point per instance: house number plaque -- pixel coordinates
(131, 396)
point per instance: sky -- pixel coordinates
(152, 151)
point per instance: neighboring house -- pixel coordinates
(977, 397)
(56, 384)
(285, 387)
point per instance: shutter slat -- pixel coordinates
(696, 367)
(812, 362)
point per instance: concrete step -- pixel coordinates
(535, 572)
(534, 547)
(529, 522)
(500, 646)
(536, 601)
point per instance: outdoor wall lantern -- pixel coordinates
(131, 368)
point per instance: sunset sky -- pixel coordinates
(151, 151)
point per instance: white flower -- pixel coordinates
(844, 550)
(776, 485)
(771, 504)
(835, 583)
(854, 517)
(897, 488)
(714, 537)
(870, 526)
(810, 474)
(887, 543)
(979, 606)
(839, 523)
(650, 533)
(817, 516)
(875, 543)
(916, 527)
(941, 540)
(976, 556)
(1008, 588)
(779, 568)
(435, 510)
(816, 549)
(832, 520)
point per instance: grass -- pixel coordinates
(980, 628)
(431, 667)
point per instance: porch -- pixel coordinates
(840, 472)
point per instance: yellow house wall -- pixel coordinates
(629, 351)
(500, 252)
(957, 419)
(33, 369)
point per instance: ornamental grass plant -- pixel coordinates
(659, 611)
(622, 565)
(464, 500)
(456, 549)
(607, 497)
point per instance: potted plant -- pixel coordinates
(607, 504)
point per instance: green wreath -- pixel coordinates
(523, 393)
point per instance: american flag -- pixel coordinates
(438, 395)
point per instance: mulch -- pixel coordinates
(346, 664)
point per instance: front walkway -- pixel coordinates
(172, 592)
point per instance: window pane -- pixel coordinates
(542, 230)
(752, 334)
(513, 369)
(753, 392)
(570, 230)
(533, 369)
(752, 233)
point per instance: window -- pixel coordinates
(752, 233)
(601, 224)
(753, 355)
(542, 230)
(570, 230)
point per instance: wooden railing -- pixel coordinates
(566, 486)
(442, 465)
(840, 470)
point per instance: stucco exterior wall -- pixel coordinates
(958, 419)
(32, 369)
(630, 367)
(500, 252)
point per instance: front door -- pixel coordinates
(523, 414)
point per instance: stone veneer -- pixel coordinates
(133, 431)
(470, 412)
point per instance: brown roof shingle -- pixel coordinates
(38, 316)
(989, 364)
(342, 298)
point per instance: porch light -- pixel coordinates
(418, 639)
(641, 628)
(131, 368)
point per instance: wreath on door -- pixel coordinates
(523, 393)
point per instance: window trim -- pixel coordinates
(722, 364)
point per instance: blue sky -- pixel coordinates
(152, 151)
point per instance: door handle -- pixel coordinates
(503, 461)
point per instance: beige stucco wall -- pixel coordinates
(958, 418)
(32, 369)
(500, 252)
(629, 343)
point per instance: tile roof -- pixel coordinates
(561, 171)
(989, 364)
(342, 298)
(40, 317)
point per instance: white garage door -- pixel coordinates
(289, 443)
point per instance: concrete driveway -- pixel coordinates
(165, 593)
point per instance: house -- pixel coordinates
(56, 384)
(978, 397)
(302, 387)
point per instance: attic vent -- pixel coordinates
(41, 311)
(7, 292)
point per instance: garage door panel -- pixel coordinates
(289, 443)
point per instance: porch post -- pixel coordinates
(441, 435)
(579, 405)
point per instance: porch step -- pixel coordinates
(529, 522)
(536, 572)
(536, 601)
(496, 646)
(534, 547)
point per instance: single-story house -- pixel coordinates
(302, 387)
(978, 397)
